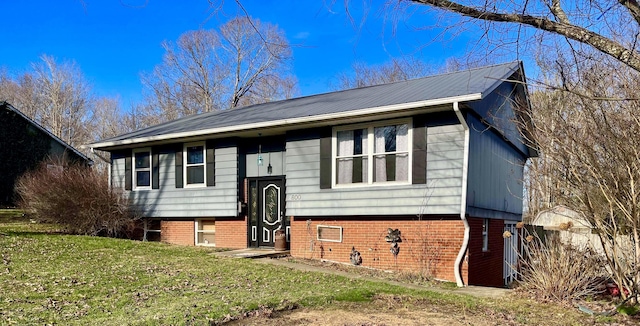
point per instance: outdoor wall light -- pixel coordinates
(260, 161)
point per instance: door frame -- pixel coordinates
(254, 210)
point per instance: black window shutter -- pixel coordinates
(210, 164)
(325, 159)
(127, 170)
(179, 178)
(155, 169)
(419, 168)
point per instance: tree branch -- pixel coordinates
(627, 56)
(633, 7)
(557, 11)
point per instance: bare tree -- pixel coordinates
(591, 158)
(585, 112)
(139, 116)
(397, 69)
(245, 62)
(65, 95)
(108, 119)
(54, 95)
(22, 93)
(259, 54)
(609, 27)
(190, 77)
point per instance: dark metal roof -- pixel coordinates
(475, 81)
(9, 107)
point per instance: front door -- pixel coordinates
(266, 210)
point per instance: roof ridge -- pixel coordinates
(377, 85)
(433, 76)
(417, 89)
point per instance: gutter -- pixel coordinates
(463, 198)
(290, 121)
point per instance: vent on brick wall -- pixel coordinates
(329, 233)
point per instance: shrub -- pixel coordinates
(553, 271)
(77, 198)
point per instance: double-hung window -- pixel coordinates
(352, 159)
(142, 168)
(374, 154)
(194, 164)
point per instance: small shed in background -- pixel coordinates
(571, 226)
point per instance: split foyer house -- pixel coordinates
(23, 145)
(421, 175)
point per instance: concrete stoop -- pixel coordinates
(253, 253)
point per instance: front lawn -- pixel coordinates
(51, 278)
(48, 278)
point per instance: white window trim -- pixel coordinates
(197, 231)
(134, 177)
(485, 235)
(318, 227)
(147, 230)
(204, 164)
(370, 152)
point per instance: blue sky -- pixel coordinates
(113, 41)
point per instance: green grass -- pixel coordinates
(52, 278)
(49, 278)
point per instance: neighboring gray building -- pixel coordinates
(439, 158)
(23, 145)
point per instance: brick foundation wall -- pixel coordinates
(485, 268)
(178, 232)
(231, 234)
(429, 246)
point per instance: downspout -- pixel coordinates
(463, 198)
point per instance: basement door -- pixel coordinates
(266, 210)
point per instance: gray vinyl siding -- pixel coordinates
(498, 109)
(445, 156)
(441, 194)
(169, 201)
(117, 173)
(495, 174)
(275, 159)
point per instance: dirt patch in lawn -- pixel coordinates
(381, 310)
(388, 309)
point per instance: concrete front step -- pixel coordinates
(253, 253)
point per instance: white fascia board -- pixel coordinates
(293, 121)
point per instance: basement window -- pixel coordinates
(329, 233)
(151, 230)
(205, 232)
